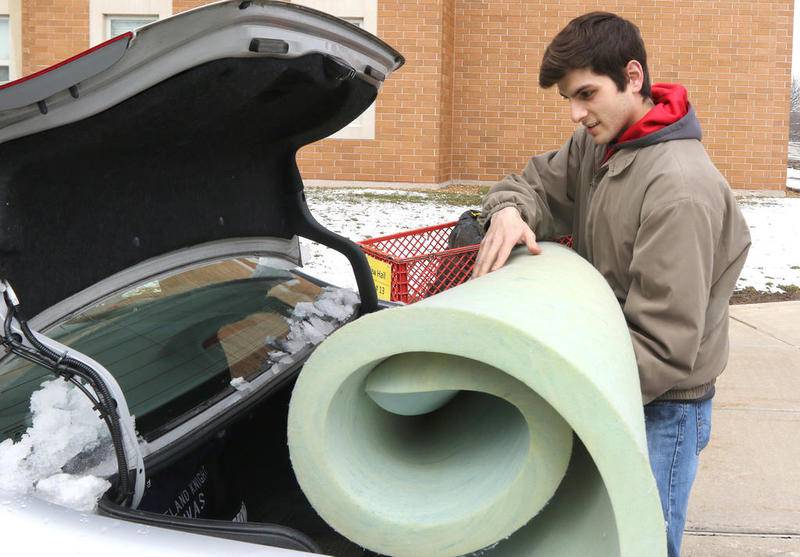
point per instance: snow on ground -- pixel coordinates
(360, 215)
(794, 150)
(774, 258)
(793, 175)
(793, 179)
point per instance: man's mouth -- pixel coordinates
(592, 124)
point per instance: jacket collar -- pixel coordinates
(621, 160)
(687, 127)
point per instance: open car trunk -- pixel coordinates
(159, 151)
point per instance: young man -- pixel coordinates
(645, 205)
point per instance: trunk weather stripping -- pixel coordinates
(91, 378)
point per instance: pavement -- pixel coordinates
(746, 498)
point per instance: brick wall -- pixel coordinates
(183, 5)
(466, 106)
(414, 126)
(409, 127)
(733, 56)
(52, 30)
(446, 97)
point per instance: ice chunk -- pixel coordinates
(311, 322)
(241, 384)
(64, 425)
(304, 309)
(66, 430)
(76, 492)
(270, 341)
(334, 308)
(13, 477)
(267, 271)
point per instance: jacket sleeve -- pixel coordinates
(544, 193)
(671, 271)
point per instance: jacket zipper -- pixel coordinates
(598, 176)
(596, 179)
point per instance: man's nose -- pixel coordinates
(577, 111)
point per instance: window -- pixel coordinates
(357, 21)
(10, 46)
(175, 343)
(364, 14)
(110, 18)
(5, 49)
(118, 24)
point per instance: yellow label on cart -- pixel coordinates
(382, 277)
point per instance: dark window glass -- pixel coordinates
(174, 343)
(119, 24)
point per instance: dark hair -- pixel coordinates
(600, 41)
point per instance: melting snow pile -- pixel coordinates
(310, 323)
(65, 427)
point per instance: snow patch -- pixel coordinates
(67, 433)
(310, 323)
(774, 257)
(793, 179)
(794, 150)
(393, 192)
(76, 492)
(241, 384)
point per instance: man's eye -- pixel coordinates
(586, 95)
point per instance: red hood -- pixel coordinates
(671, 104)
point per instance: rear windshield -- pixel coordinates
(175, 343)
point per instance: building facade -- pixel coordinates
(466, 107)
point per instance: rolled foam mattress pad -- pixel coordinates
(502, 415)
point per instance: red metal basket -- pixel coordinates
(416, 264)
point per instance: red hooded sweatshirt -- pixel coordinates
(671, 104)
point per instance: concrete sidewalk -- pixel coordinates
(746, 499)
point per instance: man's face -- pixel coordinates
(595, 102)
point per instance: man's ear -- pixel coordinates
(635, 75)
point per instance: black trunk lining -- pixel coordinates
(208, 154)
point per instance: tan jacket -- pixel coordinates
(661, 224)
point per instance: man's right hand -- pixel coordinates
(506, 230)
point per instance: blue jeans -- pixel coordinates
(676, 433)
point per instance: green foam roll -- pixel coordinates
(504, 414)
